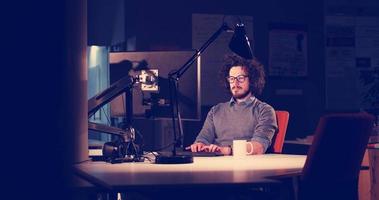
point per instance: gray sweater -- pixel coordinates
(252, 120)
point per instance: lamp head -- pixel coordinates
(239, 43)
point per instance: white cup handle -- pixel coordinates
(251, 148)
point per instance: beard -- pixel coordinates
(240, 95)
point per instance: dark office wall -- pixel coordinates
(166, 25)
(106, 22)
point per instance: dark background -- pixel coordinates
(37, 144)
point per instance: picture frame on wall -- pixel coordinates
(288, 50)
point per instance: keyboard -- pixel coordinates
(200, 154)
(206, 154)
(194, 154)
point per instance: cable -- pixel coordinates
(106, 116)
(223, 19)
(152, 152)
(164, 147)
(148, 158)
(141, 136)
(123, 103)
(239, 19)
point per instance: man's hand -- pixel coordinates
(216, 148)
(198, 146)
(225, 150)
(257, 147)
(210, 148)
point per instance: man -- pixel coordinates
(243, 117)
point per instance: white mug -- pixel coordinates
(239, 148)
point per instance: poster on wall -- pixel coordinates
(352, 55)
(367, 60)
(288, 51)
(340, 72)
(352, 62)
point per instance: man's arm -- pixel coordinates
(207, 133)
(264, 130)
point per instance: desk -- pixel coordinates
(368, 179)
(205, 171)
(374, 172)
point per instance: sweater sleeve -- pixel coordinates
(207, 133)
(266, 126)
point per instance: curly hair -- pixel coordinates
(253, 67)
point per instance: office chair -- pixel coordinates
(334, 159)
(282, 118)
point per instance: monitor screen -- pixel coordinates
(156, 104)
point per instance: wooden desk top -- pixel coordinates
(224, 170)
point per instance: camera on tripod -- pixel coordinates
(123, 149)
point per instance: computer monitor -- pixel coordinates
(156, 104)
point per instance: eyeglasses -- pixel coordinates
(240, 78)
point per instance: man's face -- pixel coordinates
(239, 82)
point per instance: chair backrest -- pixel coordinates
(282, 118)
(334, 158)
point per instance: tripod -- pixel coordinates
(123, 149)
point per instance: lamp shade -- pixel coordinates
(239, 43)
